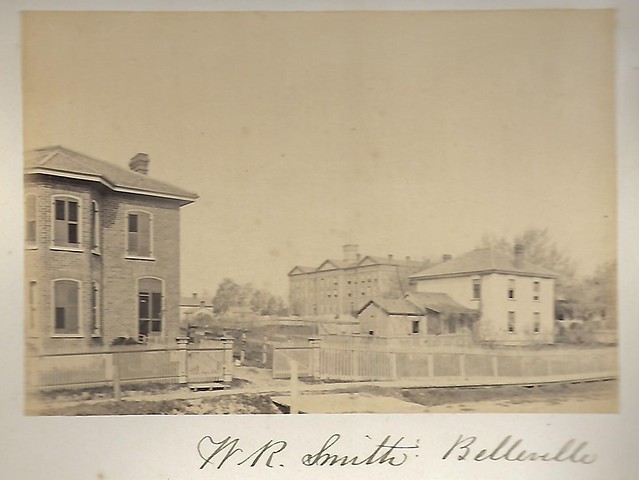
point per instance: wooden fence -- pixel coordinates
(306, 357)
(347, 359)
(211, 361)
(399, 342)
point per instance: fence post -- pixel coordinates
(183, 360)
(117, 389)
(227, 345)
(315, 357)
(294, 388)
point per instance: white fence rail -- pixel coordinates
(350, 358)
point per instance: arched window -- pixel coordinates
(150, 300)
(67, 224)
(66, 307)
(139, 234)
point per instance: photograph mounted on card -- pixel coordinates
(320, 212)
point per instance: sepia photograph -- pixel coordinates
(343, 212)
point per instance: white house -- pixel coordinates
(514, 298)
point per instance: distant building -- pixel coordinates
(101, 252)
(196, 311)
(514, 298)
(341, 287)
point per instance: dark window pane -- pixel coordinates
(156, 325)
(156, 305)
(144, 327)
(144, 305)
(59, 318)
(73, 233)
(133, 222)
(73, 211)
(59, 210)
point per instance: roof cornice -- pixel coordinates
(481, 272)
(100, 179)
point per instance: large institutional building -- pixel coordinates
(102, 252)
(341, 287)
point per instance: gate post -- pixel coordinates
(183, 361)
(227, 346)
(315, 357)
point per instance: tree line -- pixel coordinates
(260, 301)
(584, 297)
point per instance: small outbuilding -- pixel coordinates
(418, 314)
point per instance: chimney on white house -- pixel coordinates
(140, 163)
(446, 257)
(350, 252)
(519, 255)
(390, 257)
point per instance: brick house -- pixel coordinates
(101, 252)
(514, 298)
(342, 287)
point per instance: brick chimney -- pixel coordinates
(519, 255)
(446, 257)
(140, 163)
(350, 252)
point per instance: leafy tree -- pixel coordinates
(227, 295)
(540, 250)
(584, 298)
(231, 294)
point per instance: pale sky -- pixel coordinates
(406, 133)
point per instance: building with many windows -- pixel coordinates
(102, 252)
(514, 298)
(340, 287)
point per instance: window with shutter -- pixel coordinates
(66, 307)
(139, 235)
(66, 219)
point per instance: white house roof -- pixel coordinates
(484, 260)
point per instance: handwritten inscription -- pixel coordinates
(218, 453)
(221, 451)
(511, 450)
(388, 451)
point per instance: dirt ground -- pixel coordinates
(252, 394)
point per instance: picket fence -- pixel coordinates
(211, 361)
(348, 360)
